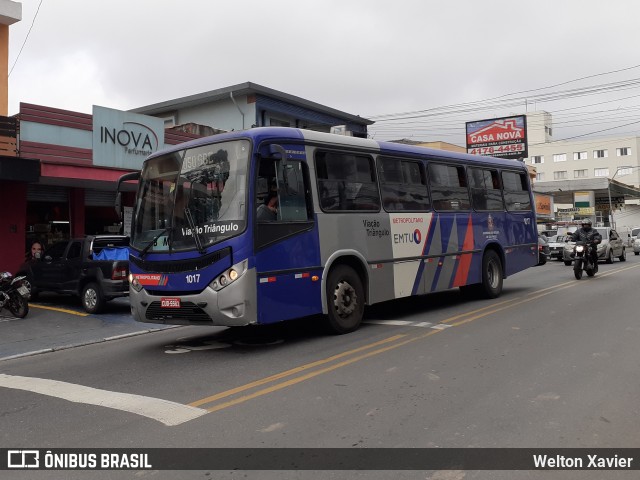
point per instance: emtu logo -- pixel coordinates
(415, 237)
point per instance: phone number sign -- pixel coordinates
(504, 137)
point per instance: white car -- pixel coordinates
(556, 246)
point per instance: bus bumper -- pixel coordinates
(234, 305)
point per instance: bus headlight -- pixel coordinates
(135, 284)
(229, 276)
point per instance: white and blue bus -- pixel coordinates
(353, 222)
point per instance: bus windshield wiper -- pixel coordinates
(153, 240)
(194, 232)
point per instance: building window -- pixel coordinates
(274, 122)
(600, 172)
(579, 155)
(624, 171)
(580, 173)
(537, 159)
(600, 154)
(540, 176)
(623, 152)
(560, 175)
(559, 157)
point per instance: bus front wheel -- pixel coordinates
(345, 300)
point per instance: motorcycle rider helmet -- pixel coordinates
(586, 224)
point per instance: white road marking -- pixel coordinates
(405, 323)
(390, 322)
(441, 326)
(164, 411)
(423, 324)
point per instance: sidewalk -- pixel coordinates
(57, 322)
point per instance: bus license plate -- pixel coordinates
(170, 302)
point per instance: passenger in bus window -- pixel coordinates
(268, 211)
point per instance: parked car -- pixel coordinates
(94, 268)
(636, 246)
(610, 247)
(543, 250)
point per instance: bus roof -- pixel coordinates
(287, 134)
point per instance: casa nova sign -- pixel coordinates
(124, 139)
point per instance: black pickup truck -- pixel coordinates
(95, 268)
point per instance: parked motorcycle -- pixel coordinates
(583, 260)
(14, 294)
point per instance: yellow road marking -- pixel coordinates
(293, 371)
(315, 373)
(64, 310)
(399, 339)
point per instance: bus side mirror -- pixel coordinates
(123, 178)
(119, 205)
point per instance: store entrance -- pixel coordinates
(47, 223)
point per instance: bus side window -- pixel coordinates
(346, 181)
(448, 187)
(282, 193)
(293, 192)
(485, 189)
(403, 185)
(516, 191)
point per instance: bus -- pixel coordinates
(353, 222)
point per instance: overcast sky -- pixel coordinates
(373, 58)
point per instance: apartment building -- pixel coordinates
(603, 167)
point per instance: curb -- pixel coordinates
(88, 342)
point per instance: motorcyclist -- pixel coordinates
(588, 235)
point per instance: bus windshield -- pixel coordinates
(192, 198)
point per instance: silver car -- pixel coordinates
(610, 247)
(636, 246)
(556, 246)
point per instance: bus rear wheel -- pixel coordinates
(345, 300)
(491, 286)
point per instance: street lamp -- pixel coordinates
(611, 224)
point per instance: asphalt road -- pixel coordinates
(552, 363)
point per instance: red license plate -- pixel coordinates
(170, 302)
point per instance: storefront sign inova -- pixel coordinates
(123, 139)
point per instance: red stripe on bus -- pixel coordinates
(464, 264)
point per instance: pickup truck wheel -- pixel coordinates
(92, 298)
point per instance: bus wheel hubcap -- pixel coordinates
(345, 299)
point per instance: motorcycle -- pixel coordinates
(14, 294)
(583, 260)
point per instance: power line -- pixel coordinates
(26, 38)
